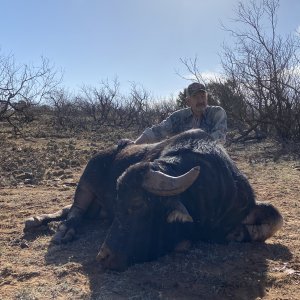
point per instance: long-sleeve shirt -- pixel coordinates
(213, 121)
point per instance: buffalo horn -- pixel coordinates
(161, 184)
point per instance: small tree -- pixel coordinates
(265, 68)
(21, 87)
(226, 94)
(101, 103)
(64, 110)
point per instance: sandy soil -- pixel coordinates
(39, 176)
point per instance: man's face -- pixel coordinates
(198, 103)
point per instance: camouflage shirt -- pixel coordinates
(214, 122)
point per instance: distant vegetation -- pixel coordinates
(260, 89)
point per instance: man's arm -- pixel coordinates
(219, 130)
(151, 134)
(145, 138)
(156, 132)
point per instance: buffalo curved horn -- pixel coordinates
(161, 184)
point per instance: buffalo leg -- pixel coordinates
(83, 198)
(89, 198)
(263, 221)
(34, 223)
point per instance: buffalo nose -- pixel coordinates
(109, 260)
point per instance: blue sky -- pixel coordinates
(136, 40)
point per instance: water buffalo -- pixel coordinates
(160, 197)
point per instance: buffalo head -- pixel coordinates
(147, 208)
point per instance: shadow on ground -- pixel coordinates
(207, 271)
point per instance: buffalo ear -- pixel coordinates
(161, 184)
(177, 212)
(179, 216)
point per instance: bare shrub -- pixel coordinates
(21, 88)
(100, 103)
(105, 106)
(64, 110)
(265, 68)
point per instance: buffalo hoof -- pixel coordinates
(63, 235)
(32, 223)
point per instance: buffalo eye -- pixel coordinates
(136, 205)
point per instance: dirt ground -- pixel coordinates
(39, 176)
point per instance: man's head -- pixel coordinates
(196, 98)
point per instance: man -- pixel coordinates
(212, 119)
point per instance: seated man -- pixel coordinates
(212, 119)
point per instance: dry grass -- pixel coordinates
(31, 268)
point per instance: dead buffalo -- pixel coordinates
(160, 197)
